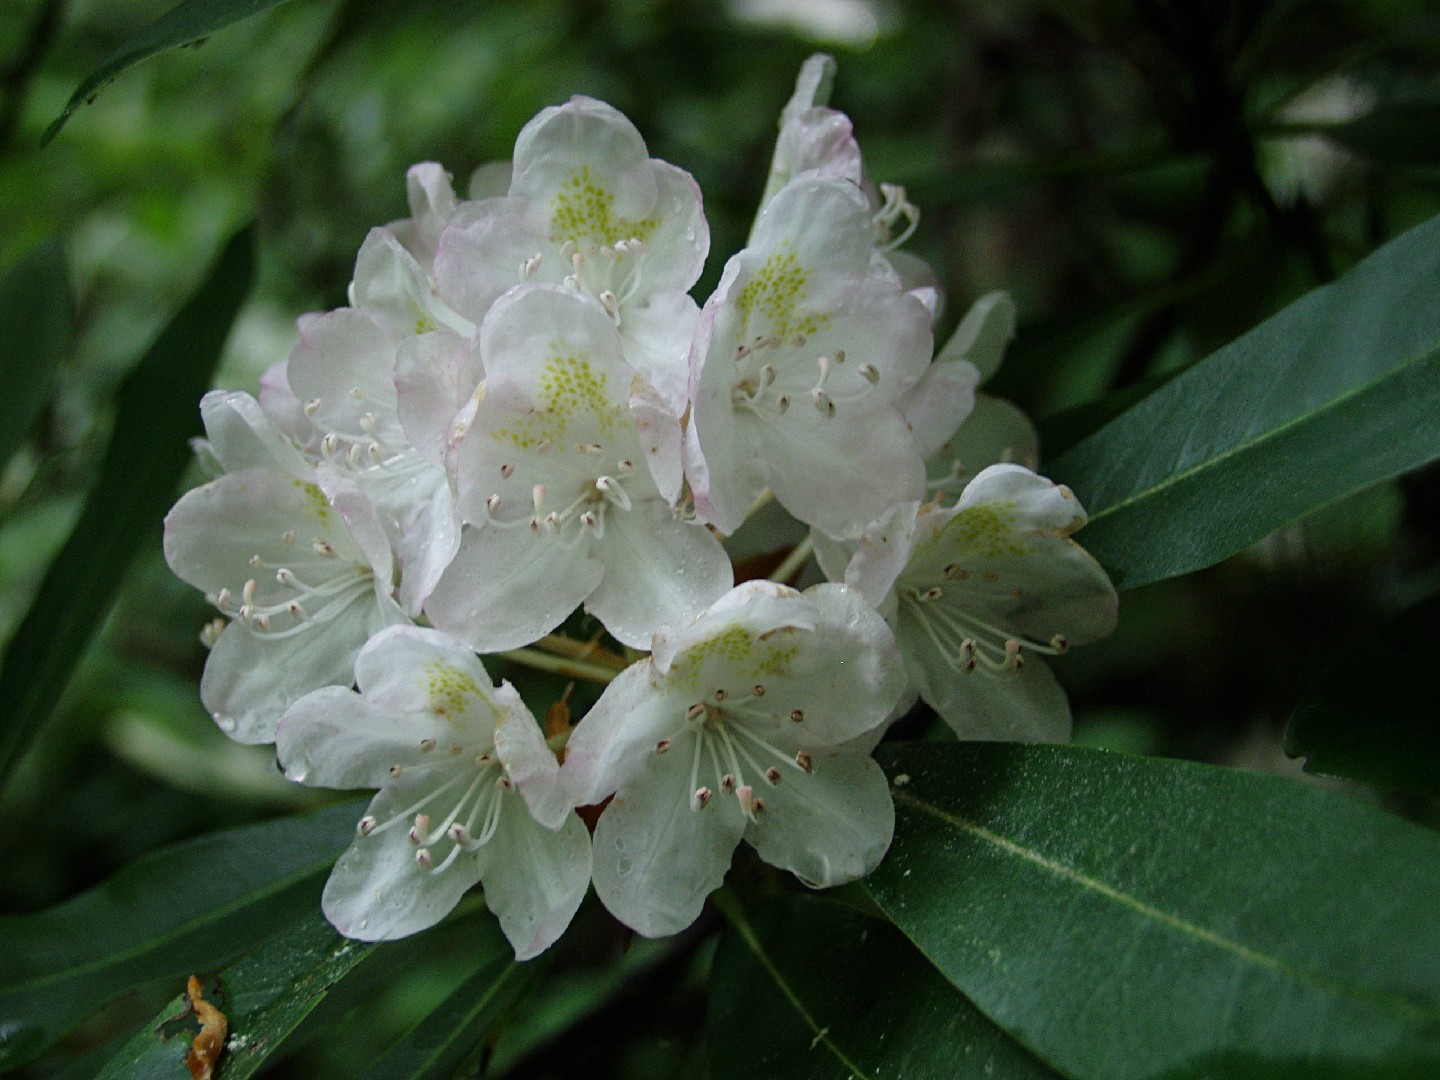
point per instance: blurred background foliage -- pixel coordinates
(1148, 178)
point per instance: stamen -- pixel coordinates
(804, 760)
(424, 858)
(870, 373)
(662, 746)
(312, 407)
(507, 470)
(700, 799)
(797, 715)
(772, 775)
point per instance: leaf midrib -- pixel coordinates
(1176, 478)
(1393, 1002)
(248, 899)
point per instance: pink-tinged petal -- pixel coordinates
(508, 587)
(395, 290)
(660, 573)
(483, 249)
(939, 403)
(533, 323)
(656, 859)
(377, 891)
(535, 878)
(431, 193)
(829, 826)
(656, 337)
(361, 522)
(815, 239)
(283, 407)
(658, 428)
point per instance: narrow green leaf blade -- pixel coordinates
(187, 907)
(1129, 917)
(35, 331)
(184, 24)
(440, 1043)
(1337, 392)
(265, 996)
(1373, 718)
(143, 464)
(809, 989)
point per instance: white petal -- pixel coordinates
(377, 891)
(882, 553)
(345, 361)
(528, 760)
(996, 706)
(481, 251)
(509, 586)
(614, 739)
(585, 134)
(395, 290)
(656, 859)
(829, 827)
(938, 404)
(656, 338)
(412, 669)
(983, 334)
(335, 738)
(435, 376)
(996, 431)
(243, 437)
(660, 572)
(534, 878)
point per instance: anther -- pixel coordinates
(767, 376)
(426, 745)
(211, 631)
(247, 594)
(530, 265)
(700, 799)
(424, 858)
(797, 715)
(804, 760)
(263, 623)
(329, 444)
(662, 746)
(592, 448)
(871, 373)
(296, 610)
(772, 775)
(695, 712)
(323, 547)
(492, 504)
(720, 694)
(727, 783)
(507, 470)
(284, 576)
(458, 834)
(609, 302)
(357, 393)
(257, 563)
(376, 454)
(782, 403)
(312, 406)
(932, 593)
(1060, 643)
(222, 599)
(353, 455)
(395, 770)
(366, 826)
(624, 467)
(420, 832)
(823, 402)
(288, 537)
(839, 356)
(758, 689)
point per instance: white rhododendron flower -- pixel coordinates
(742, 725)
(293, 554)
(588, 208)
(567, 473)
(800, 358)
(469, 792)
(523, 412)
(974, 592)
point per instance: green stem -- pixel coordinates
(793, 562)
(560, 665)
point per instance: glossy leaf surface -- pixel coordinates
(810, 989)
(1132, 917)
(1336, 392)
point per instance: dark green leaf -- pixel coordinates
(184, 24)
(1133, 917)
(35, 330)
(809, 989)
(438, 1045)
(264, 996)
(1336, 392)
(157, 412)
(185, 908)
(1372, 718)
(1403, 132)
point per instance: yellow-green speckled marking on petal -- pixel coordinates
(748, 656)
(776, 292)
(570, 388)
(319, 504)
(450, 688)
(987, 530)
(584, 212)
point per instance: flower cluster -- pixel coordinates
(522, 412)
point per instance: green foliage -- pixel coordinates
(1336, 392)
(35, 327)
(186, 23)
(188, 907)
(1372, 719)
(1132, 917)
(813, 990)
(155, 413)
